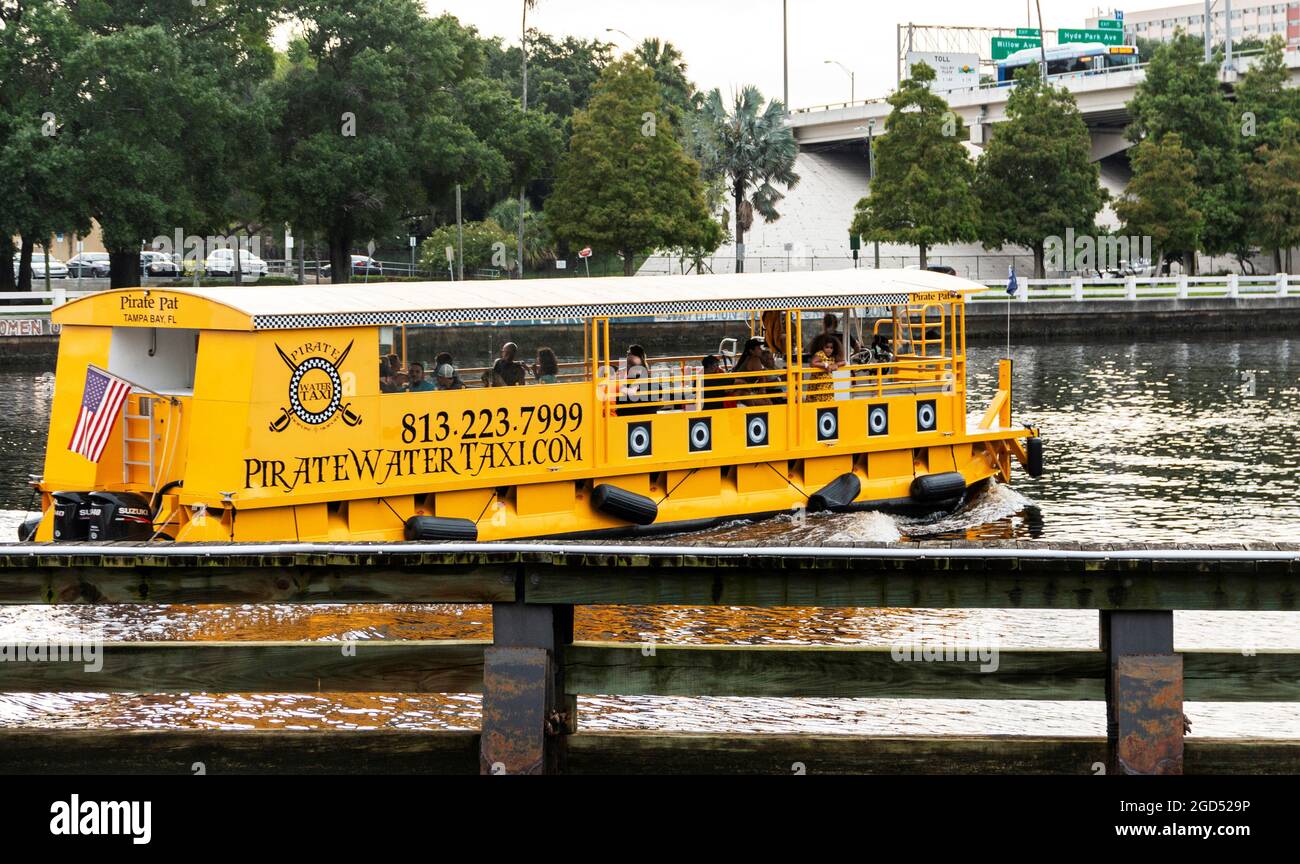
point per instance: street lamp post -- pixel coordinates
(852, 79)
(785, 51)
(871, 173)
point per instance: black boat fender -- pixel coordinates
(438, 528)
(625, 505)
(837, 494)
(27, 530)
(930, 488)
(1034, 457)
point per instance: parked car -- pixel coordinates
(221, 262)
(90, 265)
(58, 270)
(158, 264)
(362, 265)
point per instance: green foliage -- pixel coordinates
(482, 241)
(1036, 178)
(1275, 183)
(1180, 94)
(366, 121)
(754, 151)
(626, 185)
(539, 244)
(922, 193)
(1160, 199)
(561, 72)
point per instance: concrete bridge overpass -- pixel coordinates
(1102, 97)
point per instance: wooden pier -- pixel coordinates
(532, 671)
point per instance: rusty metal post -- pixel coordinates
(1144, 693)
(526, 714)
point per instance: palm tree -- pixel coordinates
(754, 149)
(523, 104)
(669, 68)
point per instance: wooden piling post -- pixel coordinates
(1144, 693)
(526, 715)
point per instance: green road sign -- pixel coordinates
(1028, 31)
(1105, 37)
(1110, 24)
(1005, 46)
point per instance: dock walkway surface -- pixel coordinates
(532, 671)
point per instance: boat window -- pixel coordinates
(155, 358)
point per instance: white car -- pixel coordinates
(58, 270)
(221, 262)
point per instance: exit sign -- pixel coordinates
(1005, 46)
(1028, 31)
(1105, 37)
(1110, 24)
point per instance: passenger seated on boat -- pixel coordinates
(397, 378)
(447, 378)
(769, 362)
(634, 391)
(506, 371)
(751, 360)
(547, 369)
(714, 387)
(419, 384)
(830, 327)
(386, 384)
(827, 356)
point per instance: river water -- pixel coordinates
(1155, 441)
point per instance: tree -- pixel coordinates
(530, 143)
(1275, 189)
(1160, 199)
(922, 193)
(37, 150)
(625, 184)
(754, 149)
(669, 68)
(539, 244)
(1036, 178)
(485, 244)
(1264, 104)
(1181, 94)
(367, 120)
(161, 108)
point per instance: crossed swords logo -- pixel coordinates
(297, 409)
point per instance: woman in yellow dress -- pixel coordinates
(827, 356)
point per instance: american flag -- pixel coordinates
(100, 405)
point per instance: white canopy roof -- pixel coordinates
(362, 304)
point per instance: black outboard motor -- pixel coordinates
(70, 525)
(118, 516)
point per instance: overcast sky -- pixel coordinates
(735, 42)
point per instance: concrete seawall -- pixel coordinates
(1069, 320)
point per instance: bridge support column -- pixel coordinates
(526, 714)
(1144, 693)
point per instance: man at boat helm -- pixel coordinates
(419, 384)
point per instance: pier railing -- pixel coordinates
(532, 671)
(1081, 289)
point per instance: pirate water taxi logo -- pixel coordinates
(315, 387)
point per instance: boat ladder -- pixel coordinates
(144, 405)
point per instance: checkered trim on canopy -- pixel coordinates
(595, 310)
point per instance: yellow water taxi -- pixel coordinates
(259, 414)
